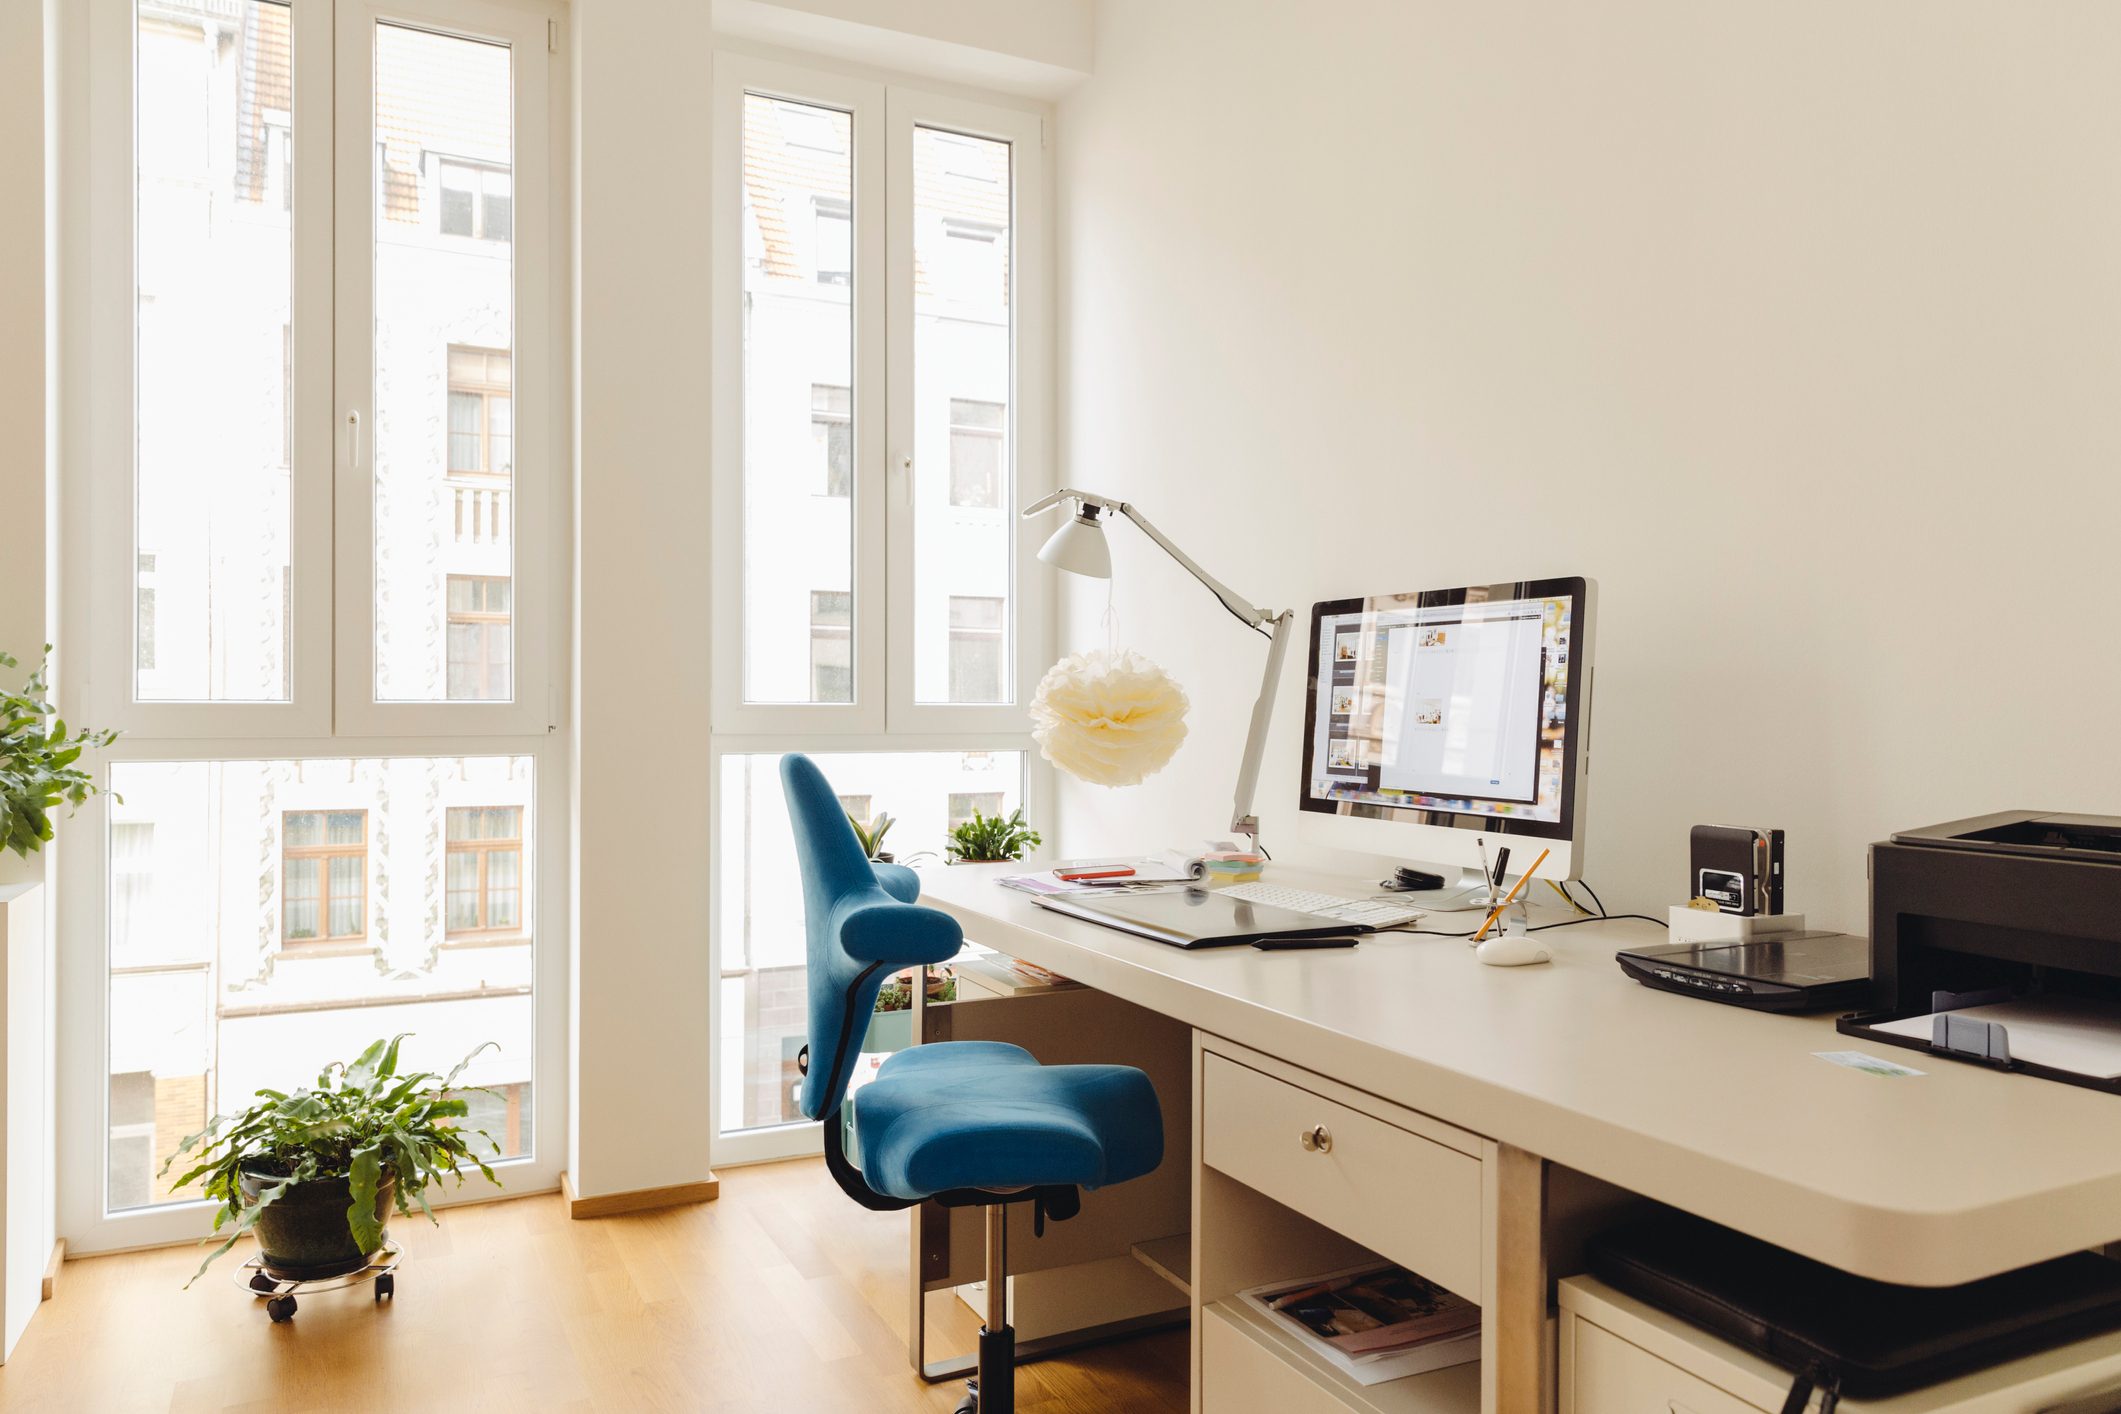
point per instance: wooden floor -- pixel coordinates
(780, 1296)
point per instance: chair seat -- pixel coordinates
(985, 1114)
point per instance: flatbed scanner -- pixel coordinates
(1997, 941)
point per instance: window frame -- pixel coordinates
(536, 491)
(829, 418)
(97, 218)
(959, 428)
(323, 854)
(485, 931)
(479, 171)
(884, 472)
(485, 390)
(111, 438)
(883, 717)
(736, 75)
(1026, 466)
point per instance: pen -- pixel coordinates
(1512, 895)
(1481, 842)
(1502, 866)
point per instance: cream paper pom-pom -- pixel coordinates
(1112, 719)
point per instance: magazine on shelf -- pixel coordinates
(1008, 976)
(1373, 1323)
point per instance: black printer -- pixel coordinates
(1980, 923)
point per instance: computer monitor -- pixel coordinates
(1448, 719)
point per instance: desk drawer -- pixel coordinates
(1608, 1375)
(1405, 1197)
(1238, 1375)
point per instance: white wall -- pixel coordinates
(1798, 327)
(640, 1040)
(29, 601)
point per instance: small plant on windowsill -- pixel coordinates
(37, 770)
(315, 1172)
(989, 838)
(871, 833)
(891, 1029)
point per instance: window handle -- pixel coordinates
(353, 438)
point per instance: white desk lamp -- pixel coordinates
(1079, 547)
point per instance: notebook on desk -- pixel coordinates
(1196, 918)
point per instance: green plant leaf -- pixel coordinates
(363, 1177)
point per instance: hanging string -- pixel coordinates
(1111, 620)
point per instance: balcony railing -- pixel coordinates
(481, 511)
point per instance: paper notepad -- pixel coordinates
(2075, 1034)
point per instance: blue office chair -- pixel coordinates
(967, 1123)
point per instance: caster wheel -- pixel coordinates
(281, 1309)
(970, 1403)
(263, 1283)
(386, 1286)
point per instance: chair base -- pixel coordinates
(993, 1390)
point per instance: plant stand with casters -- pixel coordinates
(280, 1292)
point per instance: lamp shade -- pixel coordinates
(1079, 547)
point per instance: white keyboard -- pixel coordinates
(1377, 913)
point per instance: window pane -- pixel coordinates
(444, 331)
(799, 473)
(223, 988)
(455, 216)
(467, 413)
(976, 452)
(764, 989)
(965, 804)
(962, 350)
(213, 267)
(832, 433)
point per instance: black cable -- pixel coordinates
(1601, 918)
(1600, 902)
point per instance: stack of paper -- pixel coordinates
(2077, 1034)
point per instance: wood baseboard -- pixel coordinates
(605, 1205)
(51, 1269)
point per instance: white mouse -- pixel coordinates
(1500, 951)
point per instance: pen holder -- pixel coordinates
(1513, 922)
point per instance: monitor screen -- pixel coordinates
(1447, 707)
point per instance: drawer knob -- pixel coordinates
(1318, 1140)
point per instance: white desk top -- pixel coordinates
(1957, 1174)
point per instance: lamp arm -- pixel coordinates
(1236, 603)
(1242, 819)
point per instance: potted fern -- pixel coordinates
(987, 838)
(38, 773)
(315, 1172)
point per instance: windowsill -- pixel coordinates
(335, 947)
(456, 941)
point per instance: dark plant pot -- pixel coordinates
(304, 1235)
(884, 857)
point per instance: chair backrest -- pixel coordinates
(861, 924)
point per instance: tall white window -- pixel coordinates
(329, 625)
(879, 417)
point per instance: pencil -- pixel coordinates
(1511, 896)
